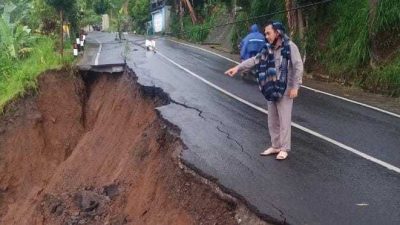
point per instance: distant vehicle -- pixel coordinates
(97, 27)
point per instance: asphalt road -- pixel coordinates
(344, 163)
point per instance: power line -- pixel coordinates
(253, 18)
(265, 15)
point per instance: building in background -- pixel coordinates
(160, 16)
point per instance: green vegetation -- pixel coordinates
(24, 54)
(387, 16)
(14, 39)
(198, 32)
(18, 76)
(347, 45)
(356, 42)
(89, 17)
(252, 9)
(353, 41)
(101, 6)
(140, 15)
(385, 78)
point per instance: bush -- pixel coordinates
(18, 76)
(345, 38)
(197, 32)
(385, 79)
(348, 44)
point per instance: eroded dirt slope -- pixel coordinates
(94, 151)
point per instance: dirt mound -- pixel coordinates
(38, 134)
(94, 151)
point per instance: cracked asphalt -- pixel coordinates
(320, 182)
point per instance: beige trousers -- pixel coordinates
(279, 122)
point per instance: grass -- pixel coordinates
(385, 79)
(199, 32)
(22, 75)
(348, 55)
(388, 16)
(348, 44)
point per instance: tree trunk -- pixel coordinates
(373, 5)
(126, 7)
(181, 16)
(300, 24)
(301, 28)
(62, 33)
(191, 11)
(291, 17)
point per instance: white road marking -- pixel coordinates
(96, 61)
(362, 204)
(330, 140)
(309, 88)
(211, 52)
(355, 102)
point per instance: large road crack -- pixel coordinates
(219, 128)
(200, 113)
(230, 138)
(190, 107)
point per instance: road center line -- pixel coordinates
(316, 134)
(309, 88)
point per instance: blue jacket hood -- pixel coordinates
(254, 28)
(252, 43)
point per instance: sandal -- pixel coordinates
(270, 151)
(282, 155)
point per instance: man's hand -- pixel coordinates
(293, 93)
(232, 71)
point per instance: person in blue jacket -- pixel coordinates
(252, 43)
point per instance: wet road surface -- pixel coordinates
(322, 182)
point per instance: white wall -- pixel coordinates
(105, 22)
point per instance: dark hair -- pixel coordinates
(277, 26)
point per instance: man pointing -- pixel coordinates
(280, 71)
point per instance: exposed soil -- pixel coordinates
(386, 47)
(95, 151)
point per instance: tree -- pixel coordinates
(41, 17)
(14, 37)
(140, 13)
(294, 18)
(191, 11)
(62, 6)
(100, 7)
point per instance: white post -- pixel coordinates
(75, 49)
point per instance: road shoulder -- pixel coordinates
(350, 92)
